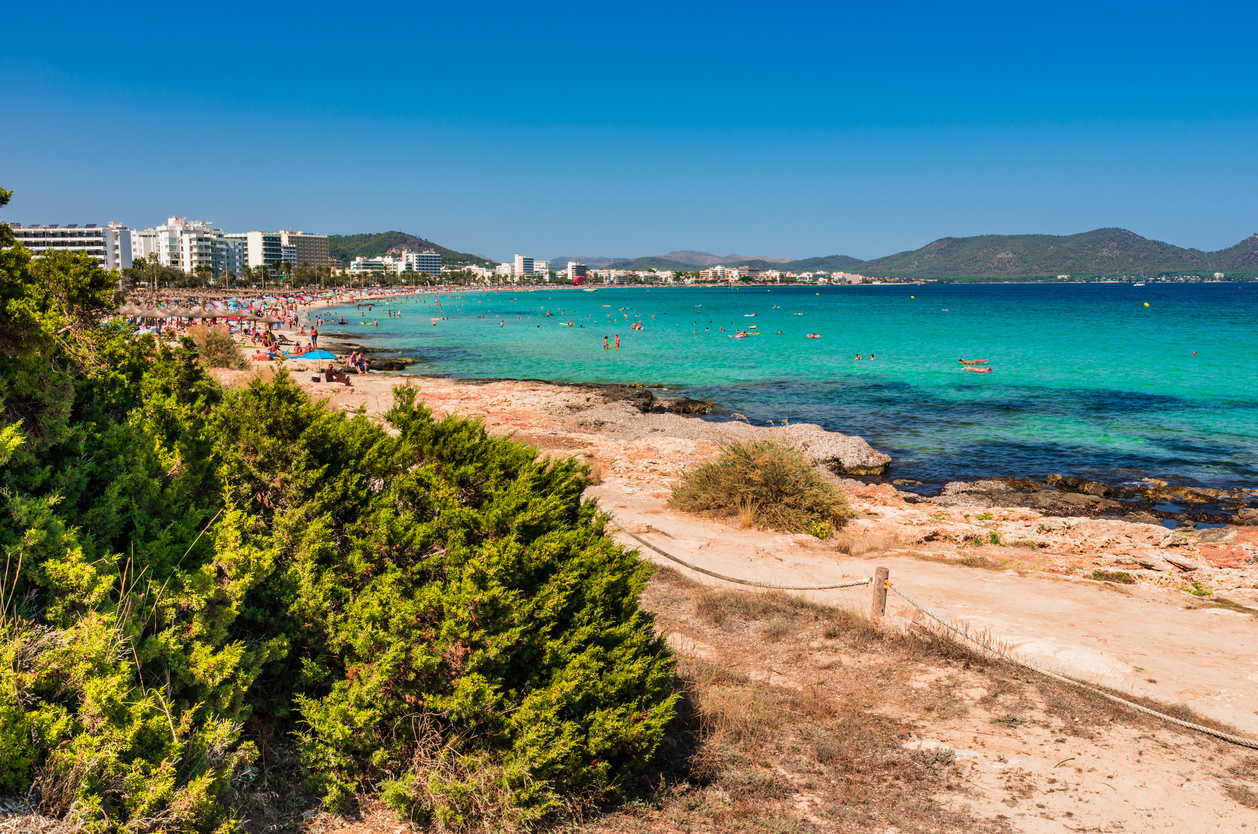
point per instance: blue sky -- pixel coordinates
(585, 129)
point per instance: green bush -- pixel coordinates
(787, 491)
(434, 614)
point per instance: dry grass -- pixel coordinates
(747, 513)
(859, 544)
(750, 756)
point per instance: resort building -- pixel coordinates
(523, 266)
(263, 248)
(308, 249)
(428, 262)
(541, 269)
(110, 245)
(576, 270)
(190, 245)
(386, 263)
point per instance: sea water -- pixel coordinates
(1108, 381)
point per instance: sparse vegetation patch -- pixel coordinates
(769, 479)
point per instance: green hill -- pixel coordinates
(829, 263)
(1243, 257)
(375, 244)
(654, 263)
(1099, 252)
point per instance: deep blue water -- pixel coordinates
(1086, 378)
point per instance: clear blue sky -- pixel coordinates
(637, 128)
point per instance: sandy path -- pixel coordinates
(1139, 640)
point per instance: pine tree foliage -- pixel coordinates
(434, 614)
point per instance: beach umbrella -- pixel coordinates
(317, 354)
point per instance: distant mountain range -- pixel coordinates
(1009, 257)
(1101, 252)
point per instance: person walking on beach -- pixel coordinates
(314, 338)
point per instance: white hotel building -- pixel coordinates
(110, 245)
(188, 244)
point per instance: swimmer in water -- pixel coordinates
(858, 356)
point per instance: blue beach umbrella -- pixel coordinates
(317, 354)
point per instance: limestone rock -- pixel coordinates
(841, 453)
(1154, 560)
(1182, 562)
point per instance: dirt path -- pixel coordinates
(1134, 639)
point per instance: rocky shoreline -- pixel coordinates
(1151, 501)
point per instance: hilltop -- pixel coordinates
(375, 244)
(1108, 251)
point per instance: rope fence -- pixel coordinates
(881, 585)
(737, 581)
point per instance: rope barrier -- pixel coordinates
(1240, 741)
(737, 581)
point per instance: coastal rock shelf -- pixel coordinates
(840, 453)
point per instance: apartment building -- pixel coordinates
(110, 245)
(523, 266)
(577, 271)
(264, 248)
(541, 269)
(427, 262)
(189, 245)
(308, 249)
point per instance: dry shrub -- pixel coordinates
(858, 544)
(595, 476)
(216, 348)
(787, 492)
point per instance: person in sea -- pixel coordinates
(858, 356)
(617, 341)
(604, 343)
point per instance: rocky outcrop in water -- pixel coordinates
(1150, 501)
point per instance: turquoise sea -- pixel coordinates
(1086, 379)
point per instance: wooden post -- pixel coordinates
(880, 592)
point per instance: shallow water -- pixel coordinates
(1085, 380)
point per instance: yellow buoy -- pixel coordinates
(912, 296)
(1146, 304)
